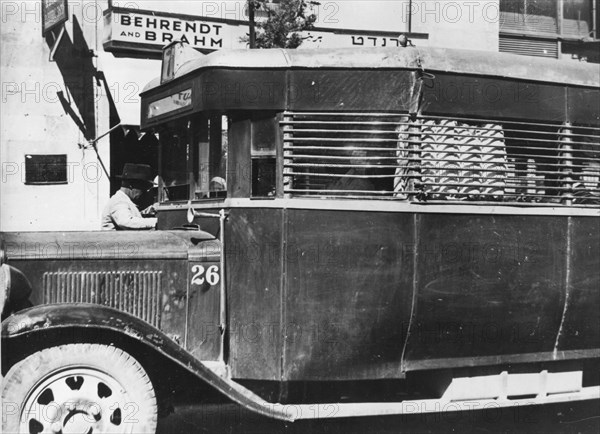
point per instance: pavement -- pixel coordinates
(577, 417)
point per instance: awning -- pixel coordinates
(126, 79)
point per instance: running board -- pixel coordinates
(462, 394)
(337, 410)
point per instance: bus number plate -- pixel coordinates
(205, 273)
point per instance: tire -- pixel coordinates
(78, 388)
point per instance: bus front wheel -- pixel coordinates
(78, 388)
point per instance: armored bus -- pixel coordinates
(341, 233)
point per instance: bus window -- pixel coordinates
(264, 138)
(175, 152)
(193, 158)
(440, 158)
(210, 147)
(585, 165)
(462, 161)
(342, 154)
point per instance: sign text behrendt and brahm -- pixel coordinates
(139, 31)
(136, 30)
(164, 30)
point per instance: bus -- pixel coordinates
(341, 233)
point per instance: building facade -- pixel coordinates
(72, 72)
(52, 106)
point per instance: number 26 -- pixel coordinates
(212, 275)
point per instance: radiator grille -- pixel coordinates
(135, 292)
(436, 158)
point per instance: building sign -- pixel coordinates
(54, 13)
(139, 30)
(170, 103)
(135, 31)
(46, 169)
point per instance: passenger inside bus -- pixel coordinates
(355, 179)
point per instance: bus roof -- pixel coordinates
(429, 59)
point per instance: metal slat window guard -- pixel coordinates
(440, 159)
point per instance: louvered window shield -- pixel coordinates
(528, 46)
(440, 159)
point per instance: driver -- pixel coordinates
(121, 212)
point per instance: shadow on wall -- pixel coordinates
(74, 60)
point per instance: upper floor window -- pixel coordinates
(578, 19)
(575, 18)
(529, 15)
(537, 27)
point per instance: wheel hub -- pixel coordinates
(77, 421)
(75, 401)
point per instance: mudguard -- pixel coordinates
(93, 316)
(15, 290)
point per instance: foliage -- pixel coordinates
(283, 24)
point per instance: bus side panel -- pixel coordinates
(583, 105)
(352, 90)
(348, 294)
(494, 98)
(581, 328)
(487, 286)
(253, 258)
(204, 337)
(222, 88)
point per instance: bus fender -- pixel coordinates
(15, 290)
(93, 316)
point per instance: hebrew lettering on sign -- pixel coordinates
(360, 39)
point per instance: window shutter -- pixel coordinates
(529, 46)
